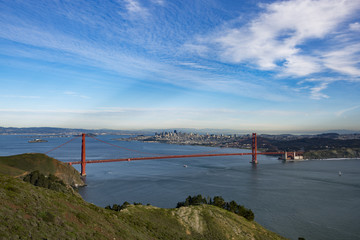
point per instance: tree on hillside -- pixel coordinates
(219, 202)
(52, 182)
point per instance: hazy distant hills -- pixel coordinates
(51, 130)
(54, 130)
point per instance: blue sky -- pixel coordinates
(134, 64)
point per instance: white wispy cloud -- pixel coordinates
(343, 111)
(75, 94)
(315, 92)
(314, 86)
(134, 7)
(198, 49)
(275, 39)
(194, 65)
(354, 26)
(160, 2)
(86, 52)
(345, 60)
(300, 66)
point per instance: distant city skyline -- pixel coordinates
(266, 66)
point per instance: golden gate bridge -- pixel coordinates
(254, 152)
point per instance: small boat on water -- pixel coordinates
(37, 140)
(185, 165)
(340, 173)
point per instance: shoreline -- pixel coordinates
(259, 149)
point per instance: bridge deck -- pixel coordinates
(174, 156)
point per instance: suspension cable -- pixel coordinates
(128, 149)
(62, 145)
(156, 154)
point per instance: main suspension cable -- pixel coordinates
(128, 149)
(156, 154)
(62, 145)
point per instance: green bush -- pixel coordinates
(51, 182)
(47, 216)
(118, 208)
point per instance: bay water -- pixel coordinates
(295, 199)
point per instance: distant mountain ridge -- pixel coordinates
(55, 130)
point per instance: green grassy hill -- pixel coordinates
(333, 153)
(20, 165)
(30, 212)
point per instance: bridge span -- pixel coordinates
(83, 161)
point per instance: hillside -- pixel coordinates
(38, 213)
(22, 164)
(333, 153)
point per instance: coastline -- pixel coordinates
(321, 154)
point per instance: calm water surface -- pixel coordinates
(302, 199)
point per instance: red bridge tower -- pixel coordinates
(83, 156)
(254, 149)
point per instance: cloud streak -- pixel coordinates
(316, 91)
(75, 94)
(343, 111)
(275, 39)
(91, 54)
(135, 10)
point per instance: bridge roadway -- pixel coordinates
(174, 156)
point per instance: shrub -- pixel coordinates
(51, 182)
(118, 208)
(47, 216)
